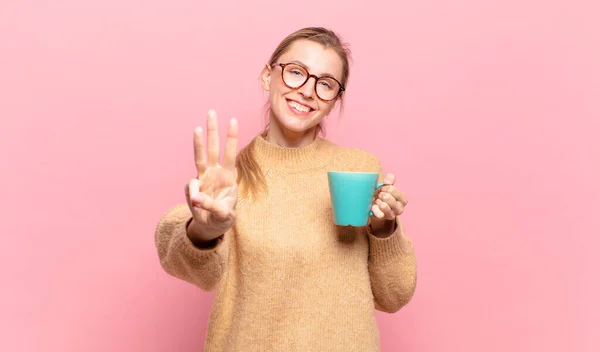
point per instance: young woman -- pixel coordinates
(258, 228)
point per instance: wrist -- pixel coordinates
(383, 228)
(202, 237)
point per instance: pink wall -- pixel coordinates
(487, 111)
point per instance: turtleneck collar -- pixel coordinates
(272, 156)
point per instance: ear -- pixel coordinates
(265, 78)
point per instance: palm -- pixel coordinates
(212, 196)
(219, 184)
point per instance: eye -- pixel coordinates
(297, 72)
(325, 84)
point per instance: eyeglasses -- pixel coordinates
(295, 76)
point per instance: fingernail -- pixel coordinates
(386, 181)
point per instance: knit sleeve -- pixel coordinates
(393, 270)
(392, 262)
(180, 258)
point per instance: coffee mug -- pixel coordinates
(351, 196)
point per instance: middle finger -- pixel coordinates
(213, 138)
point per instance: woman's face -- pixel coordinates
(296, 112)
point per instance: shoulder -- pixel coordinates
(353, 159)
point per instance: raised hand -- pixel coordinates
(212, 195)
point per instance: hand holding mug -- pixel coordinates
(389, 201)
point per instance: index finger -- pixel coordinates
(199, 156)
(396, 193)
(231, 145)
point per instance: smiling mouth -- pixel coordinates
(303, 109)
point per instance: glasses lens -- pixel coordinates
(327, 88)
(294, 76)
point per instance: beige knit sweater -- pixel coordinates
(287, 278)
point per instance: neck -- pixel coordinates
(274, 156)
(290, 139)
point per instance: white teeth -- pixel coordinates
(299, 107)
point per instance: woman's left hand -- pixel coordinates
(388, 204)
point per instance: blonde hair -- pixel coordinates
(249, 172)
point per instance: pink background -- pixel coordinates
(487, 111)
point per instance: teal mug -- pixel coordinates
(352, 196)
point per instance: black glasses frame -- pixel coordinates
(309, 75)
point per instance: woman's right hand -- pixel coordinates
(212, 195)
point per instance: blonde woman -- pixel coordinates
(258, 227)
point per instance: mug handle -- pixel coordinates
(376, 188)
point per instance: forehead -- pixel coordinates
(318, 59)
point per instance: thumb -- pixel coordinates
(389, 179)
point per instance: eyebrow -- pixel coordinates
(300, 63)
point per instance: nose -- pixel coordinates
(308, 89)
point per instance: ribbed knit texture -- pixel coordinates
(287, 278)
